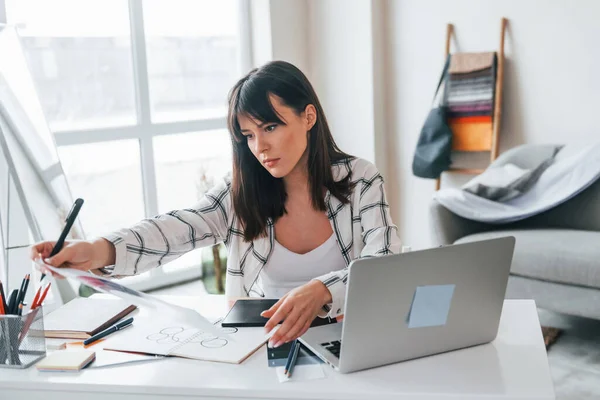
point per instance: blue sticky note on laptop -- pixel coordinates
(430, 306)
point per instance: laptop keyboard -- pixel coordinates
(333, 347)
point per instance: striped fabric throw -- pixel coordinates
(470, 99)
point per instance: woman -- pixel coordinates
(296, 212)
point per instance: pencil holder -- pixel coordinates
(22, 341)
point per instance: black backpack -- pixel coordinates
(432, 155)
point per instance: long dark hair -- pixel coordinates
(257, 195)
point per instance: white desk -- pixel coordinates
(514, 366)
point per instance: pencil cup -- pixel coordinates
(22, 341)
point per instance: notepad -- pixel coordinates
(66, 360)
(173, 338)
(82, 317)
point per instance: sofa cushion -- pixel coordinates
(555, 255)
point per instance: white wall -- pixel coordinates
(552, 83)
(279, 32)
(341, 54)
(289, 20)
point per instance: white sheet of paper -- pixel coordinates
(109, 359)
(150, 337)
(183, 315)
(301, 373)
(205, 346)
(170, 337)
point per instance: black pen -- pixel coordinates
(12, 299)
(68, 224)
(22, 292)
(294, 359)
(108, 331)
(290, 356)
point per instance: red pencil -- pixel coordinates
(36, 298)
(3, 304)
(43, 296)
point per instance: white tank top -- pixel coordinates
(287, 270)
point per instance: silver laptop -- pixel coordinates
(416, 304)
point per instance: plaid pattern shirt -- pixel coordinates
(363, 228)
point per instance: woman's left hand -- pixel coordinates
(297, 309)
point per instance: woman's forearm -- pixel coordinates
(104, 253)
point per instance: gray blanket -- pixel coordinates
(572, 169)
(506, 182)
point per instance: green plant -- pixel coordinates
(214, 258)
(213, 273)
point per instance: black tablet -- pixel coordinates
(246, 313)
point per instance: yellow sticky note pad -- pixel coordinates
(66, 360)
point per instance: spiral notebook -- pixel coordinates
(176, 339)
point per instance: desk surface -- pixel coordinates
(514, 366)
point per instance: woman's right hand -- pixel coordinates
(82, 255)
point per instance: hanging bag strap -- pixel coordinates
(444, 73)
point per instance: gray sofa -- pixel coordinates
(557, 253)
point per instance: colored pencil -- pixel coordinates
(43, 296)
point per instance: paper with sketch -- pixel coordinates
(183, 315)
(168, 337)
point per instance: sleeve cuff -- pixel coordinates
(337, 288)
(121, 266)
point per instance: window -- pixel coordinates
(82, 66)
(108, 176)
(135, 93)
(192, 57)
(188, 164)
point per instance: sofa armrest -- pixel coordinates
(446, 227)
(581, 212)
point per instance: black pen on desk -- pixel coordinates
(108, 331)
(68, 224)
(290, 356)
(294, 359)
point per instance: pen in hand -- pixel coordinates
(68, 224)
(108, 331)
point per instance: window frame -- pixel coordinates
(144, 130)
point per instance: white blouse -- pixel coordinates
(287, 270)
